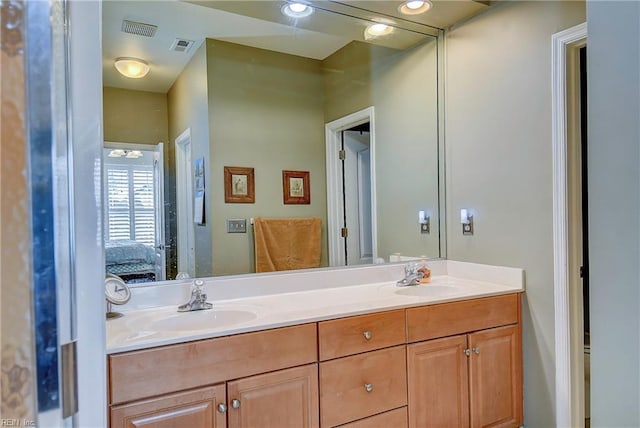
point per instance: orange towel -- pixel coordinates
(287, 243)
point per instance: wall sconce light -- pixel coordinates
(132, 67)
(466, 219)
(425, 222)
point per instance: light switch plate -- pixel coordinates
(237, 225)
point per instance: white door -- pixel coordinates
(160, 243)
(184, 200)
(357, 198)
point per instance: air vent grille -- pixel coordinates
(139, 28)
(181, 45)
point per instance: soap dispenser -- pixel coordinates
(426, 272)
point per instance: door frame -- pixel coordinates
(568, 388)
(161, 238)
(184, 204)
(334, 183)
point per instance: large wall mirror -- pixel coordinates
(328, 112)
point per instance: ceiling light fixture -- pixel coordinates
(415, 7)
(130, 154)
(117, 153)
(376, 30)
(132, 67)
(297, 10)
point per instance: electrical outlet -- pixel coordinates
(237, 225)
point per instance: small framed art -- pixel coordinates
(295, 187)
(239, 185)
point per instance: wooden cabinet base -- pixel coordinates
(495, 373)
(392, 419)
(286, 398)
(186, 409)
(438, 383)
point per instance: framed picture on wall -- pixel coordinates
(295, 187)
(239, 185)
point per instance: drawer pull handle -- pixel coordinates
(476, 350)
(467, 352)
(222, 408)
(235, 403)
(367, 335)
(368, 387)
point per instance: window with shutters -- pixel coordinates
(129, 199)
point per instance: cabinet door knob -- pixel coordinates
(368, 387)
(222, 408)
(367, 335)
(476, 350)
(467, 352)
(235, 403)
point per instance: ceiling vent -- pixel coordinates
(139, 28)
(181, 45)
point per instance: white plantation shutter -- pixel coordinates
(144, 211)
(130, 203)
(119, 213)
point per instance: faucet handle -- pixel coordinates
(410, 268)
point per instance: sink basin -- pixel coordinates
(428, 290)
(201, 320)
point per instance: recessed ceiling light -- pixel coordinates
(415, 7)
(297, 10)
(132, 67)
(375, 30)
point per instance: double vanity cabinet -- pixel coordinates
(455, 364)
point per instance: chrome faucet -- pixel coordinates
(412, 275)
(198, 299)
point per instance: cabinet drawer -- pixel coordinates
(448, 319)
(344, 392)
(156, 371)
(393, 419)
(347, 336)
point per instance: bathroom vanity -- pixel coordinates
(447, 353)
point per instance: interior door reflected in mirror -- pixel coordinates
(243, 85)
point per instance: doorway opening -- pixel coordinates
(350, 143)
(584, 268)
(356, 194)
(134, 211)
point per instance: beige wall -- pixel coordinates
(134, 116)
(499, 164)
(265, 112)
(188, 109)
(401, 86)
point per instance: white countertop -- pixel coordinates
(163, 325)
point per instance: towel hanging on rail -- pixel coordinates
(287, 243)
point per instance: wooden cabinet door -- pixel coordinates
(438, 383)
(496, 377)
(196, 408)
(283, 399)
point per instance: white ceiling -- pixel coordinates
(177, 19)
